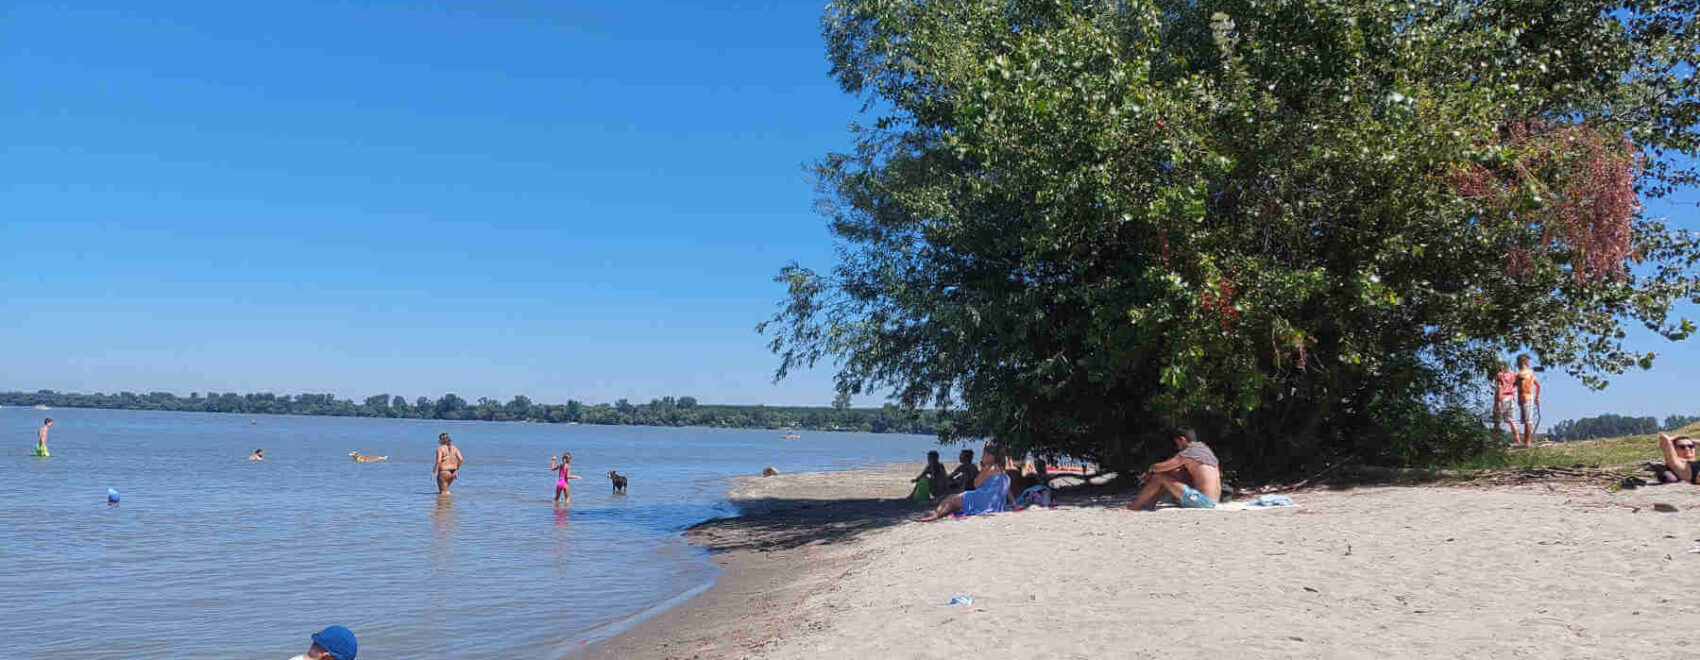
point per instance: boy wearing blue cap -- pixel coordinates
(335, 642)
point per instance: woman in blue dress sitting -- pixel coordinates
(990, 494)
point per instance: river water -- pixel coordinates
(210, 555)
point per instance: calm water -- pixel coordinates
(213, 556)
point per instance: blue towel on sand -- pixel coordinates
(988, 498)
(1271, 500)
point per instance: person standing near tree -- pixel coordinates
(1528, 399)
(1504, 401)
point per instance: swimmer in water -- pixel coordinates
(41, 437)
(563, 474)
(448, 463)
(259, 455)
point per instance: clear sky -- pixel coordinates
(559, 199)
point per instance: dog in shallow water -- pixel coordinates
(619, 481)
(366, 459)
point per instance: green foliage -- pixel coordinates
(1610, 426)
(666, 411)
(1675, 422)
(1602, 426)
(1305, 227)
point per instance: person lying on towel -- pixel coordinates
(1192, 478)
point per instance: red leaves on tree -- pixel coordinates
(1219, 300)
(1582, 181)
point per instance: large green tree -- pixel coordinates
(1308, 227)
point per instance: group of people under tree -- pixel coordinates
(1191, 478)
(1517, 392)
(934, 483)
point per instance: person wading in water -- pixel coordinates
(448, 463)
(41, 437)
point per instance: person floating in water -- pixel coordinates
(563, 474)
(448, 463)
(259, 455)
(41, 437)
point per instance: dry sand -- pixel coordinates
(825, 568)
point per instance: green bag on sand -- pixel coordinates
(923, 491)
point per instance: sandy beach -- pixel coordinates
(830, 565)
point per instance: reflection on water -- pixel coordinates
(561, 550)
(248, 557)
(442, 534)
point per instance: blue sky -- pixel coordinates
(582, 200)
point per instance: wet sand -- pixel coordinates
(829, 565)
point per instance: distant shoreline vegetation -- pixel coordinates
(1615, 426)
(665, 411)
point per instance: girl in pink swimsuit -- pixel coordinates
(563, 473)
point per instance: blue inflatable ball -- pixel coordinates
(112, 495)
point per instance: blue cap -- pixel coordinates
(112, 494)
(337, 641)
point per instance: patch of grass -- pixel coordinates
(1624, 453)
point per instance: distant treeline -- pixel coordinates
(666, 411)
(1612, 426)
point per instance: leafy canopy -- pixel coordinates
(1305, 226)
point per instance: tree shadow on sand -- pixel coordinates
(779, 523)
(771, 523)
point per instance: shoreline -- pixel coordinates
(788, 428)
(766, 564)
(827, 565)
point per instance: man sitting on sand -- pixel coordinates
(966, 473)
(1679, 457)
(932, 483)
(1193, 477)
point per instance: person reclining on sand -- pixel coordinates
(990, 494)
(1193, 477)
(966, 473)
(1680, 457)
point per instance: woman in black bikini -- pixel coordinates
(1679, 457)
(448, 464)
